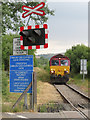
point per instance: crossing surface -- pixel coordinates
(28, 115)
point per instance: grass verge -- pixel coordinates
(78, 81)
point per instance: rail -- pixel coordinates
(78, 110)
(78, 92)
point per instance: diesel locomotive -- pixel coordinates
(59, 69)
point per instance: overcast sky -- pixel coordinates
(68, 27)
(67, 0)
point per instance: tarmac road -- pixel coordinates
(67, 115)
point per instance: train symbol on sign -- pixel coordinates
(35, 10)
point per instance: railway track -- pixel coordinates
(78, 92)
(76, 99)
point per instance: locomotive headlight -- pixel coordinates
(52, 71)
(65, 71)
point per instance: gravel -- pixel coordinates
(71, 95)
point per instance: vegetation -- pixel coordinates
(50, 107)
(42, 74)
(75, 54)
(7, 49)
(43, 63)
(82, 84)
(4, 83)
(11, 15)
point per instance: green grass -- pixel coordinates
(42, 75)
(78, 80)
(10, 99)
(43, 108)
(7, 107)
(50, 107)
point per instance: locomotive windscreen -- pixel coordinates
(55, 63)
(64, 62)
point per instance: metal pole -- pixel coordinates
(32, 92)
(83, 69)
(35, 89)
(30, 100)
(83, 75)
(28, 20)
(31, 96)
(25, 102)
(25, 98)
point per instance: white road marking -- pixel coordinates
(10, 113)
(20, 116)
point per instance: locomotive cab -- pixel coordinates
(59, 69)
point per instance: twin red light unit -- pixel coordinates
(45, 26)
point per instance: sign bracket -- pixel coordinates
(28, 20)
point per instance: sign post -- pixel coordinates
(21, 72)
(17, 51)
(83, 67)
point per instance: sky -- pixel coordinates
(68, 27)
(67, 0)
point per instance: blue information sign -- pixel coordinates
(21, 73)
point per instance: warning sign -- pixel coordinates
(17, 47)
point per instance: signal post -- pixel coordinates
(32, 37)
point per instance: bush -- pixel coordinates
(4, 83)
(46, 67)
(75, 54)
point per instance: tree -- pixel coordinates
(7, 49)
(11, 15)
(42, 61)
(32, 52)
(75, 54)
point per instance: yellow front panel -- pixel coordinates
(59, 70)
